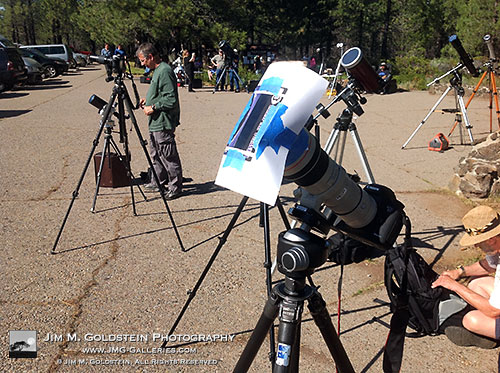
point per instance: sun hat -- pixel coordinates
(481, 223)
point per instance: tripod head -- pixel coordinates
(457, 76)
(351, 96)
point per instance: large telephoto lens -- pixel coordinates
(354, 62)
(310, 167)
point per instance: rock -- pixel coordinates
(477, 175)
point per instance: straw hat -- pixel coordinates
(481, 223)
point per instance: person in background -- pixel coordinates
(233, 78)
(218, 62)
(119, 51)
(188, 62)
(106, 52)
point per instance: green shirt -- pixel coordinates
(164, 96)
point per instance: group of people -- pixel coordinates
(222, 64)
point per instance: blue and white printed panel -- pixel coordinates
(254, 158)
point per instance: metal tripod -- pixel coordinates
(120, 93)
(109, 143)
(338, 137)
(224, 71)
(492, 90)
(460, 108)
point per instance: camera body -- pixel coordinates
(115, 64)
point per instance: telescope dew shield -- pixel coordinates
(464, 56)
(354, 62)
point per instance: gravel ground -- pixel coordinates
(119, 274)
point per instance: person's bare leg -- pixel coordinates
(475, 321)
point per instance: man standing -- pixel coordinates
(218, 62)
(106, 52)
(482, 226)
(233, 73)
(161, 105)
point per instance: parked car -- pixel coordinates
(60, 51)
(52, 66)
(12, 69)
(81, 59)
(35, 70)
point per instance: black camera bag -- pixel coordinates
(408, 279)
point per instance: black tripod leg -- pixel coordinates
(104, 155)
(222, 241)
(294, 362)
(150, 163)
(259, 333)
(317, 307)
(290, 315)
(269, 276)
(282, 213)
(104, 120)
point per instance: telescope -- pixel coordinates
(489, 44)
(464, 56)
(359, 68)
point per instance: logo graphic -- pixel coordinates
(22, 344)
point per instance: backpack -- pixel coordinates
(413, 301)
(423, 300)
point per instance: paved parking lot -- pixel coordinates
(116, 274)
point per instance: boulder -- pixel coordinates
(477, 175)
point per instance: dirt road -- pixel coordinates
(118, 281)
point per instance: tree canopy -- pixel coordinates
(383, 29)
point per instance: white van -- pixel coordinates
(55, 51)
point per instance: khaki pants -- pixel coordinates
(166, 161)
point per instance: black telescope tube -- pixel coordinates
(98, 102)
(464, 56)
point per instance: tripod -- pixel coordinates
(299, 253)
(106, 154)
(460, 108)
(492, 88)
(264, 221)
(344, 123)
(119, 92)
(223, 74)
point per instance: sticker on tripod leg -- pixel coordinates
(283, 356)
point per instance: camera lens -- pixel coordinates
(310, 167)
